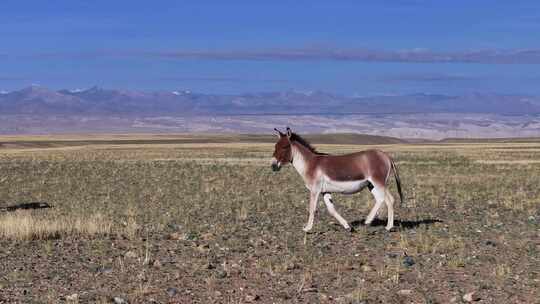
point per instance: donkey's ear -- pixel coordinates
(289, 132)
(278, 133)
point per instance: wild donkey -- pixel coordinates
(325, 174)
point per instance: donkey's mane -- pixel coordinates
(299, 139)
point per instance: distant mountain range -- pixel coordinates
(99, 101)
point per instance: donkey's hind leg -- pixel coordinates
(330, 206)
(379, 195)
(390, 207)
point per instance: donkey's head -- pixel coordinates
(282, 151)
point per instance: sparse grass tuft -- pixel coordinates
(130, 225)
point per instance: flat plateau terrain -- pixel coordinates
(203, 219)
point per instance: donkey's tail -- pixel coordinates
(398, 181)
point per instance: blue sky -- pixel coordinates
(346, 47)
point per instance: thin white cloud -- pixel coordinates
(485, 56)
(425, 77)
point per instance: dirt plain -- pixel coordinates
(209, 222)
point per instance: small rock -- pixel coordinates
(130, 254)
(105, 270)
(284, 295)
(491, 243)
(404, 292)
(310, 289)
(177, 236)
(222, 274)
(203, 248)
(72, 298)
(157, 263)
(408, 261)
(366, 268)
(207, 236)
(252, 298)
(324, 297)
(119, 300)
(471, 297)
(175, 226)
(260, 242)
(291, 266)
(171, 291)
(142, 277)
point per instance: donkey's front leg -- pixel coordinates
(327, 197)
(313, 198)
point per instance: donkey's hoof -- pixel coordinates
(389, 228)
(351, 229)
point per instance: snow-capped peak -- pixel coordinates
(184, 92)
(303, 92)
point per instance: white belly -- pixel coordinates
(348, 187)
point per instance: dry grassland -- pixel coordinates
(154, 221)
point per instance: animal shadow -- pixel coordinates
(25, 206)
(397, 223)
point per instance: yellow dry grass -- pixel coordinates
(23, 226)
(512, 162)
